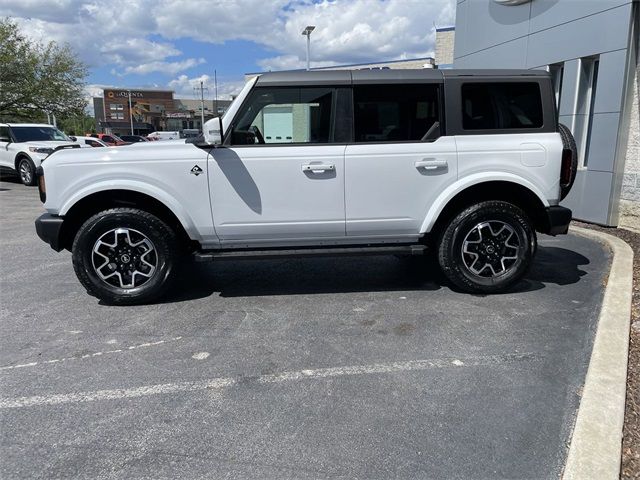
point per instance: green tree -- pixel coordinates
(78, 125)
(37, 78)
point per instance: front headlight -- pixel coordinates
(42, 150)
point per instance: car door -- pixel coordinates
(399, 162)
(6, 157)
(280, 176)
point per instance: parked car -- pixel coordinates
(466, 164)
(110, 139)
(164, 135)
(88, 141)
(133, 138)
(23, 147)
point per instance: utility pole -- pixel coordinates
(202, 89)
(215, 83)
(130, 112)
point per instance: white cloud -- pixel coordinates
(139, 37)
(185, 87)
(166, 67)
(132, 50)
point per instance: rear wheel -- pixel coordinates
(487, 247)
(27, 171)
(125, 256)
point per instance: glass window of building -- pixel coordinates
(585, 100)
(557, 76)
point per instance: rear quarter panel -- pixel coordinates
(534, 157)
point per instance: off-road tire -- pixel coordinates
(451, 243)
(163, 238)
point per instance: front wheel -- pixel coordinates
(487, 247)
(27, 171)
(125, 256)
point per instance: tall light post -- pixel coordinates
(130, 112)
(307, 33)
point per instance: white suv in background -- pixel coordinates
(23, 147)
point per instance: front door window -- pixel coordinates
(286, 115)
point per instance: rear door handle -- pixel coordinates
(431, 164)
(318, 167)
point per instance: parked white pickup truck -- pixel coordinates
(469, 164)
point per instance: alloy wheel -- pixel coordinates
(490, 249)
(124, 258)
(25, 172)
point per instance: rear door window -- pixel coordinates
(394, 113)
(497, 106)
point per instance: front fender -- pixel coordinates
(141, 187)
(469, 181)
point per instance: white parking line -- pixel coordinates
(90, 355)
(220, 383)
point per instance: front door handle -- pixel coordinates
(431, 164)
(318, 167)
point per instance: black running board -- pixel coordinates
(211, 255)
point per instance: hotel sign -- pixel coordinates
(123, 94)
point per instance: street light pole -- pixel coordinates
(202, 106)
(307, 32)
(130, 112)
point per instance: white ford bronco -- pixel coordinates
(468, 164)
(23, 146)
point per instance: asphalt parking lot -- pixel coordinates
(307, 368)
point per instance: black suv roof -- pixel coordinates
(347, 77)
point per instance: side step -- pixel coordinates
(211, 255)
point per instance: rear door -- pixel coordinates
(399, 162)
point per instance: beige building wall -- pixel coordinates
(445, 39)
(630, 198)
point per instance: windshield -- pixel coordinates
(31, 134)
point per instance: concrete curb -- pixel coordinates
(596, 445)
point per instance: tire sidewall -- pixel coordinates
(458, 229)
(155, 231)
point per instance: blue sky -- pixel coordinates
(176, 44)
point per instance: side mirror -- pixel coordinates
(5, 139)
(73, 138)
(212, 131)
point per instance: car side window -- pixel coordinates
(492, 106)
(286, 115)
(5, 136)
(394, 113)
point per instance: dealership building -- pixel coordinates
(590, 47)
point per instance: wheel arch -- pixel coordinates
(452, 201)
(77, 212)
(20, 156)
